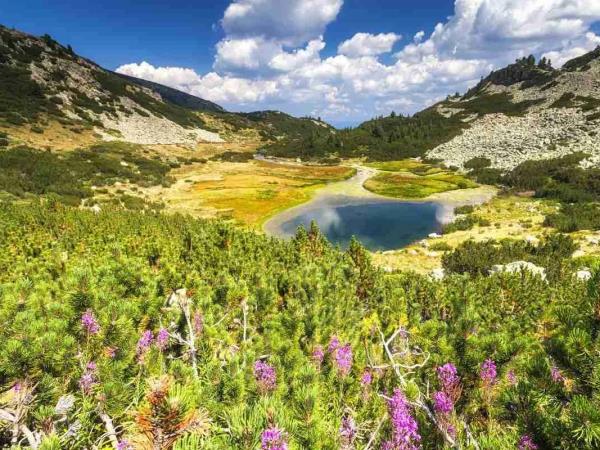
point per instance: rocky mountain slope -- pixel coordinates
(46, 86)
(527, 111)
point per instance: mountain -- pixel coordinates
(520, 112)
(175, 96)
(45, 87)
(527, 112)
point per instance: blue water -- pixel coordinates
(379, 225)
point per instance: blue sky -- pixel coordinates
(184, 33)
(344, 60)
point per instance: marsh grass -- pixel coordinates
(404, 181)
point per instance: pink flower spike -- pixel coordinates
(265, 376)
(526, 443)
(162, 339)
(89, 322)
(488, 372)
(273, 439)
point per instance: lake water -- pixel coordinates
(378, 224)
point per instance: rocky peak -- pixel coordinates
(524, 70)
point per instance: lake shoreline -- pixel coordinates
(352, 192)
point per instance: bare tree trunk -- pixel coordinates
(110, 429)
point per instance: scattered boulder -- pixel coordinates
(593, 240)
(438, 274)
(583, 275)
(434, 236)
(519, 267)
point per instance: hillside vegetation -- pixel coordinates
(101, 346)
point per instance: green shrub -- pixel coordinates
(478, 163)
(465, 223)
(477, 258)
(440, 247)
(583, 216)
(465, 209)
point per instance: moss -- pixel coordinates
(410, 186)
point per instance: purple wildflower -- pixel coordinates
(347, 432)
(145, 342)
(448, 377)
(162, 339)
(89, 323)
(366, 379)
(451, 430)
(273, 439)
(110, 352)
(265, 376)
(488, 372)
(87, 382)
(557, 377)
(17, 387)
(442, 403)
(526, 443)
(334, 344)
(124, 445)
(343, 359)
(91, 366)
(405, 433)
(318, 355)
(511, 377)
(198, 321)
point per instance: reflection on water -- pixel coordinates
(380, 225)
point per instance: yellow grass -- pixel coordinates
(249, 192)
(55, 136)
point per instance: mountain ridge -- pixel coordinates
(526, 110)
(45, 85)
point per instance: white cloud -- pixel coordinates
(577, 48)
(286, 62)
(271, 55)
(419, 37)
(176, 77)
(291, 22)
(211, 86)
(493, 29)
(365, 44)
(245, 54)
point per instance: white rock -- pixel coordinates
(434, 236)
(583, 275)
(578, 254)
(438, 274)
(518, 267)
